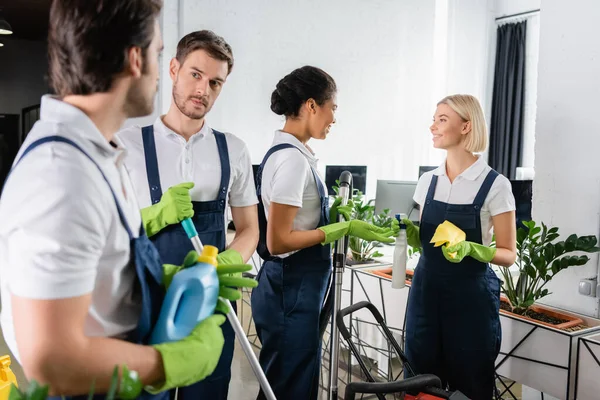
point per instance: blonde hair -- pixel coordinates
(469, 109)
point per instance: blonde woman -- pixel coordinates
(453, 326)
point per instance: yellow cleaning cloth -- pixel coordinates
(448, 233)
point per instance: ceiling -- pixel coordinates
(28, 18)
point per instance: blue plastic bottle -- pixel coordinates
(191, 298)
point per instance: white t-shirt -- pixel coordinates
(287, 179)
(463, 190)
(196, 160)
(61, 235)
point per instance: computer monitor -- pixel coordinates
(425, 168)
(398, 197)
(359, 176)
(523, 192)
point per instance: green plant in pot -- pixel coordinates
(364, 250)
(540, 256)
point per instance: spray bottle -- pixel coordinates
(400, 256)
(191, 298)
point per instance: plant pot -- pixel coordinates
(539, 356)
(387, 273)
(588, 367)
(570, 321)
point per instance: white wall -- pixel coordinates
(385, 56)
(23, 72)
(511, 7)
(567, 182)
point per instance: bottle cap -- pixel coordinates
(209, 255)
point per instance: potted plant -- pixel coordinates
(539, 343)
(539, 258)
(127, 387)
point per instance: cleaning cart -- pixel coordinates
(416, 387)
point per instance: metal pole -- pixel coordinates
(190, 229)
(339, 260)
(247, 347)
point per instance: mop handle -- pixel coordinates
(191, 232)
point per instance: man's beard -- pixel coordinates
(137, 104)
(181, 102)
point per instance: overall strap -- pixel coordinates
(225, 166)
(432, 186)
(485, 189)
(151, 164)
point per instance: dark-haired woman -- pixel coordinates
(295, 235)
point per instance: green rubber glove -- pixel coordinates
(229, 278)
(169, 270)
(477, 251)
(359, 229)
(230, 257)
(174, 206)
(412, 234)
(336, 209)
(194, 357)
(229, 275)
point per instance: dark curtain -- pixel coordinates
(508, 104)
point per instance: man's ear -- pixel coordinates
(174, 68)
(135, 61)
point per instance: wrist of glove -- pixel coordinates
(337, 209)
(174, 206)
(193, 358)
(479, 252)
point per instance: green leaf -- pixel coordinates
(587, 243)
(529, 224)
(544, 232)
(552, 237)
(571, 243)
(15, 393)
(530, 271)
(131, 386)
(559, 249)
(376, 254)
(549, 253)
(92, 390)
(35, 391)
(556, 268)
(527, 303)
(114, 382)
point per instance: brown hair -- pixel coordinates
(88, 41)
(208, 41)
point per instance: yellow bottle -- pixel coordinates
(7, 377)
